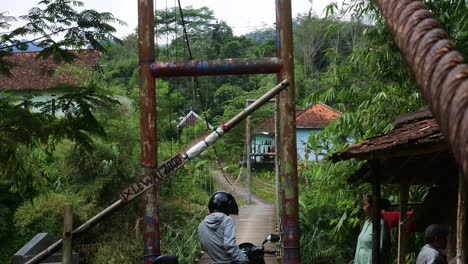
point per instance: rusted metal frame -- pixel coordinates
(280, 193)
(438, 67)
(277, 176)
(375, 218)
(168, 168)
(287, 131)
(149, 149)
(215, 67)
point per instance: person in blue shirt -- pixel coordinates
(436, 241)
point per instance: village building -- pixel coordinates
(38, 80)
(313, 119)
(190, 120)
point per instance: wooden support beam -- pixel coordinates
(67, 234)
(386, 153)
(404, 194)
(375, 215)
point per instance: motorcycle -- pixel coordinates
(256, 254)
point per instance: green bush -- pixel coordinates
(45, 214)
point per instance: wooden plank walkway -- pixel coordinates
(253, 224)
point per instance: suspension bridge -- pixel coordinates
(438, 67)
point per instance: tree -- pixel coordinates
(55, 26)
(199, 23)
(370, 86)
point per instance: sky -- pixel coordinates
(242, 15)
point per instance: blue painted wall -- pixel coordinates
(302, 136)
(262, 143)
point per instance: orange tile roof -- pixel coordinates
(315, 116)
(37, 74)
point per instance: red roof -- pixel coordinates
(37, 74)
(315, 116)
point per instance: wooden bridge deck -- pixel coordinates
(253, 224)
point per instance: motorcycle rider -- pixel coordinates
(217, 230)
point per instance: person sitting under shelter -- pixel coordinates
(436, 241)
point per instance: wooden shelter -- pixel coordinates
(415, 153)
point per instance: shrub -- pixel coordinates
(45, 214)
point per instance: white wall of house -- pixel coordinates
(38, 96)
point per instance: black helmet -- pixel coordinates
(223, 202)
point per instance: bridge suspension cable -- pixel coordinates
(196, 87)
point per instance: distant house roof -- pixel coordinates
(189, 120)
(315, 116)
(414, 132)
(37, 74)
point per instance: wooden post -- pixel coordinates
(375, 216)
(404, 194)
(67, 234)
(461, 221)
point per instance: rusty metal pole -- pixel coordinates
(279, 225)
(146, 57)
(287, 130)
(215, 67)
